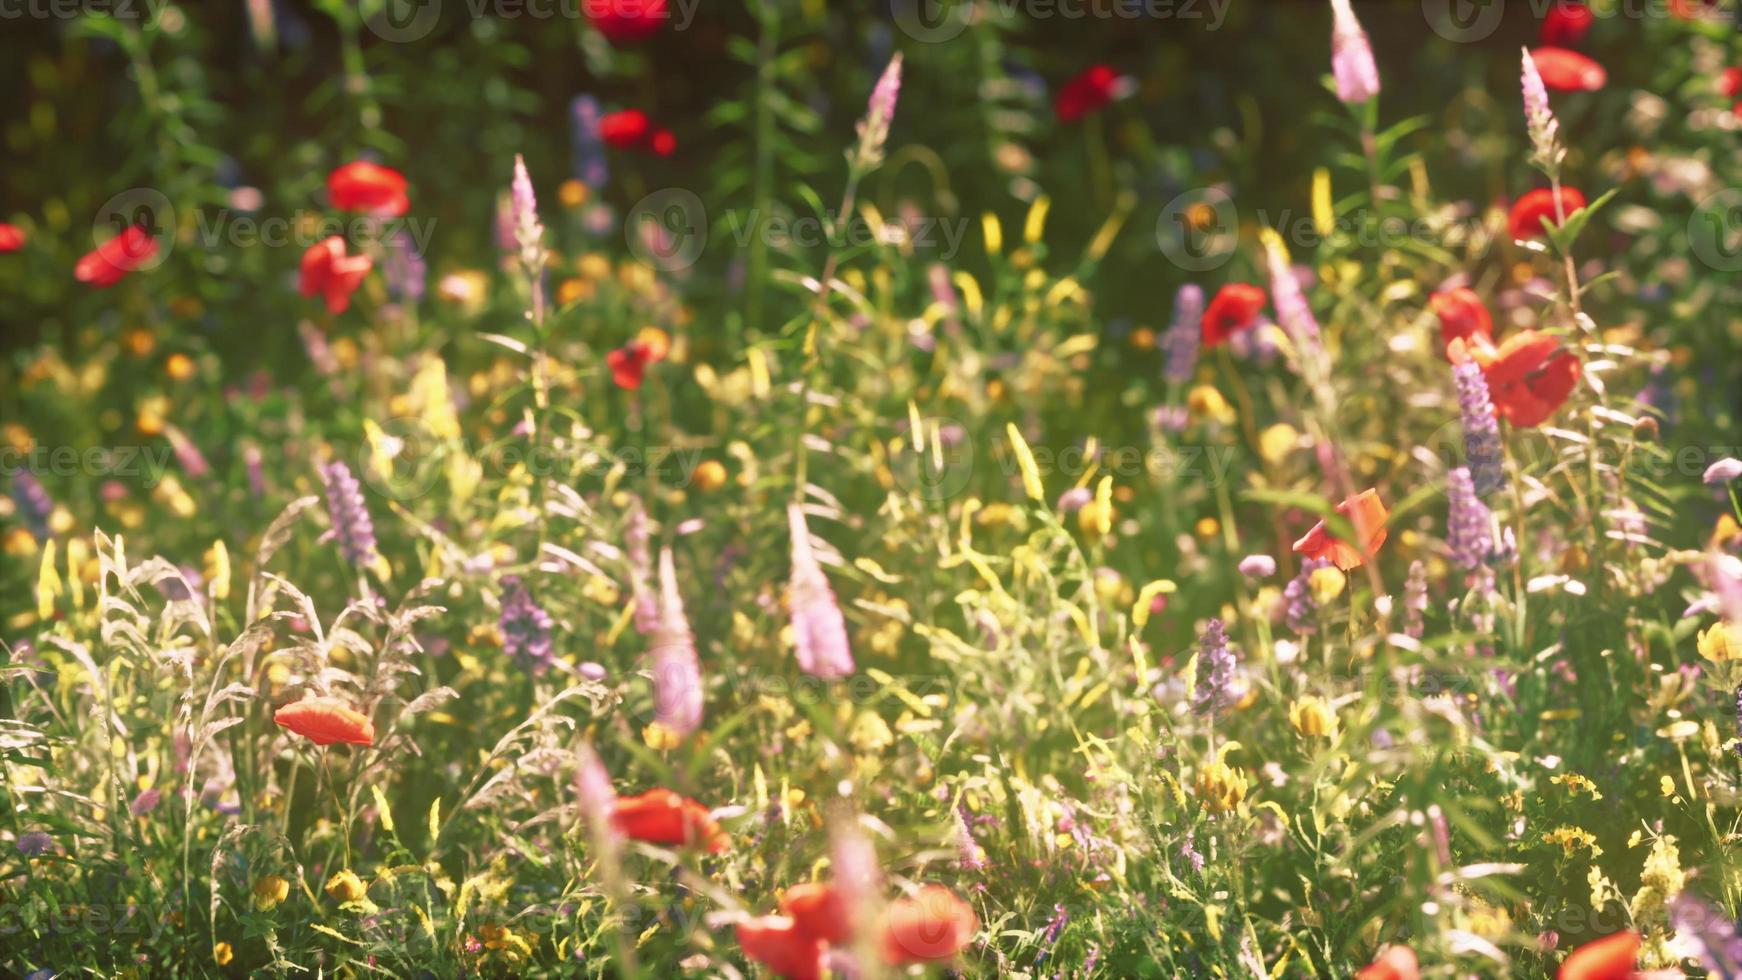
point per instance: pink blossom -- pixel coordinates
(818, 629)
(1351, 56)
(677, 674)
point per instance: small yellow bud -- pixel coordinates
(1327, 584)
(709, 475)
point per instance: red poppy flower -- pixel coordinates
(1234, 308)
(660, 816)
(1529, 377)
(1730, 82)
(327, 270)
(325, 721)
(1090, 91)
(11, 237)
(368, 188)
(1568, 71)
(663, 143)
(1566, 23)
(624, 129)
(1535, 208)
(1392, 963)
(1609, 958)
(1462, 316)
(1368, 515)
(778, 943)
(629, 363)
(927, 927)
(819, 911)
(110, 262)
(626, 21)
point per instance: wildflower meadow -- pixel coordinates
(922, 488)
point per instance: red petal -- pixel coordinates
(1568, 71)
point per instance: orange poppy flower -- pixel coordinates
(778, 943)
(1462, 315)
(369, 188)
(329, 272)
(1368, 514)
(1392, 963)
(1536, 207)
(1529, 377)
(1609, 958)
(819, 911)
(325, 721)
(927, 927)
(1568, 71)
(660, 816)
(110, 262)
(1234, 308)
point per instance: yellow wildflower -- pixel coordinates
(1572, 838)
(1327, 584)
(1659, 882)
(1221, 787)
(1313, 717)
(269, 890)
(1206, 402)
(1719, 643)
(1576, 784)
(223, 954)
(346, 886)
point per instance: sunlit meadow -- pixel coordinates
(1000, 488)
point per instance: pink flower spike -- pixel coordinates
(818, 629)
(677, 674)
(1352, 65)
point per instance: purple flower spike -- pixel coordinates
(352, 528)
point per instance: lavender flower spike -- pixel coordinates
(1301, 609)
(1469, 523)
(352, 528)
(819, 631)
(879, 112)
(1352, 65)
(1214, 691)
(677, 674)
(528, 232)
(1180, 343)
(525, 627)
(1482, 448)
(1539, 119)
(34, 505)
